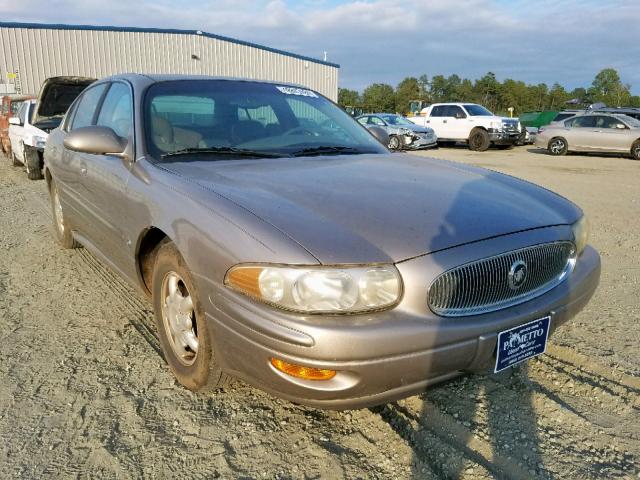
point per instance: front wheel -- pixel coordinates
(184, 335)
(479, 140)
(558, 146)
(395, 142)
(635, 150)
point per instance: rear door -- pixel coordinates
(436, 120)
(580, 132)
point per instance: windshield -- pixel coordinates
(191, 118)
(396, 120)
(632, 122)
(477, 111)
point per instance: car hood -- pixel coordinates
(379, 208)
(56, 96)
(415, 128)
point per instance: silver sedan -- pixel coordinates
(593, 132)
(280, 242)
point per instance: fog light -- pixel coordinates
(308, 373)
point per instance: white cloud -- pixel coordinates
(386, 40)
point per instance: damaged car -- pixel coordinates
(28, 130)
(282, 243)
(403, 134)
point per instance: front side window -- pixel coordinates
(455, 111)
(247, 118)
(87, 105)
(116, 111)
(586, 121)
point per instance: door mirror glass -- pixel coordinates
(14, 121)
(96, 140)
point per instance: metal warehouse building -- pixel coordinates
(30, 52)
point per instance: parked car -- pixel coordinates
(469, 123)
(9, 108)
(280, 242)
(403, 134)
(36, 118)
(592, 132)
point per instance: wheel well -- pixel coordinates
(150, 242)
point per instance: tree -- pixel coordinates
(557, 96)
(406, 91)
(608, 88)
(379, 97)
(348, 97)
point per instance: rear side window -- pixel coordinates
(438, 111)
(584, 122)
(87, 105)
(116, 111)
(562, 116)
(363, 120)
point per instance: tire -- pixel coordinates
(479, 140)
(395, 143)
(635, 150)
(558, 146)
(61, 229)
(195, 368)
(32, 164)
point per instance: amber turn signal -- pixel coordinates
(308, 373)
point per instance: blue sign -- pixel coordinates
(521, 343)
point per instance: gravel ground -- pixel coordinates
(84, 392)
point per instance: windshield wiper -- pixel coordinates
(326, 149)
(241, 152)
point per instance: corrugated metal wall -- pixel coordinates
(38, 53)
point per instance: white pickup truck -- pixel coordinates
(28, 131)
(470, 123)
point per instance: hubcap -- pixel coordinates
(636, 152)
(557, 146)
(57, 211)
(179, 318)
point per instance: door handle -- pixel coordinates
(83, 168)
(444, 121)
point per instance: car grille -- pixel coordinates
(510, 126)
(485, 286)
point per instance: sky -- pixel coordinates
(564, 41)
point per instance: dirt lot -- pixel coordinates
(84, 392)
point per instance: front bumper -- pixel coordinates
(501, 137)
(384, 356)
(419, 141)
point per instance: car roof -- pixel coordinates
(157, 78)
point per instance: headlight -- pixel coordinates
(405, 131)
(580, 234)
(312, 289)
(496, 125)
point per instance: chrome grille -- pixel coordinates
(483, 286)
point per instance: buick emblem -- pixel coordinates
(517, 274)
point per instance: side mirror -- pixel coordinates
(381, 135)
(621, 126)
(460, 115)
(14, 121)
(96, 140)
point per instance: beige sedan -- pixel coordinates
(596, 132)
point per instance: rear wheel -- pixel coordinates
(184, 335)
(558, 146)
(63, 233)
(479, 140)
(635, 150)
(395, 142)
